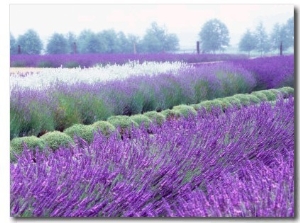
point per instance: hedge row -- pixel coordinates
(120, 124)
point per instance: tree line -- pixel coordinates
(213, 37)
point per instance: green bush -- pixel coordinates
(185, 110)
(104, 127)
(71, 64)
(171, 113)
(44, 64)
(17, 145)
(224, 103)
(260, 95)
(156, 117)
(286, 91)
(209, 104)
(233, 101)
(244, 99)
(83, 131)
(141, 120)
(269, 94)
(57, 139)
(122, 121)
(253, 99)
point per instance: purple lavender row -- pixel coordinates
(237, 164)
(88, 60)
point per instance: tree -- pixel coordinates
(13, 45)
(279, 37)
(88, 42)
(247, 43)
(30, 43)
(57, 44)
(111, 40)
(71, 40)
(214, 36)
(262, 40)
(290, 31)
(157, 40)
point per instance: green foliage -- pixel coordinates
(278, 36)
(30, 43)
(71, 64)
(66, 114)
(244, 99)
(210, 104)
(247, 42)
(233, 101)
(57, 139)
(202, 90)
(122, 121)
(44, 64)
(171, 113)
(57, 44)
(141, 120)
(223, 103)
(104, 127)
(185, 110)
(17, 145)
(260, 95)
(253, 99)
(214, 36)
(156, 117)
(286, 91)
(85, 132)
(18, 64)
(269, 94)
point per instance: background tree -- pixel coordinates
(290, 31)
(157, 40)
(111, 41)
(247, 42)
(88, 42)
(214, 36)
(71, 39)
(13, 46)
(278, 36)
(57, 44)
(262, 41)
(30, 43)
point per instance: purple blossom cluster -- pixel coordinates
(38, 110)
(234, 164)
(88, 60)
(271, 72)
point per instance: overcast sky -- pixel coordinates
(184, 20)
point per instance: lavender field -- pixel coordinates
(153, 137)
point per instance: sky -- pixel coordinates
(185, 20)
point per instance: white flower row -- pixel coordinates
(45, 77)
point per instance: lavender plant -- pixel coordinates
(234, 164)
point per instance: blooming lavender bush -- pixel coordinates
(234, 164)
(271, 72)
(88, 60)
(64, 104)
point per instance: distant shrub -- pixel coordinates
(141, 120)
(156, 117)
(18, 64)
(185, 110)
(83, 131)
(71, 64)
(57, 139)
(104, 127)
(17, 145)
(45, 64)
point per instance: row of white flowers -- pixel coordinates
(45, 77)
